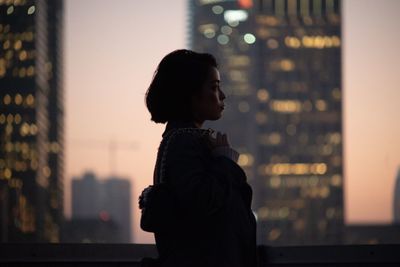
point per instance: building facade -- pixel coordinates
(396, 201)
(106, 201)
(31, 120)
(280, 65)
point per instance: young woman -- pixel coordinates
(213, 222)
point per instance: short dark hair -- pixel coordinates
(178, 77)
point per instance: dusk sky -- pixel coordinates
(113, 47)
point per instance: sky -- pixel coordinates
(113, 47)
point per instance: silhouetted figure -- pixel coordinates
(214, 224)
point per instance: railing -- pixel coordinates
(130, 255)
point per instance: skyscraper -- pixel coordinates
(31, 120)
(106, 200)
(396, 204)
(281, 69)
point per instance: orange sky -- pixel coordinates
(112, 49)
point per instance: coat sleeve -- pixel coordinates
(202, 183)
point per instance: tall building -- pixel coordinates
(396, 204)
(31, 120)
(281, 69)
(106, 200)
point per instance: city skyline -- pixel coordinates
(128, 63)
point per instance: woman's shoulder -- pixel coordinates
(193, 139)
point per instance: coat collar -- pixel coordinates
(178, 124)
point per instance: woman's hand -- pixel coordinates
(220, 146)
(220, 139)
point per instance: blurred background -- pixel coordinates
(312, 105)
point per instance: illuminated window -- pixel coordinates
(30, 71)
(2, 119)
(274, 138)
(336, 180)
(245, 160)
(287, 65)
(31, 10)
(226, 30)
(30, 100)
(33, 129)
(336, 94)
(217, 9)
(223, 39)
(10, 10)
(54, 147)
(238, 61)
(296, 169)
(6, 45)
(335, 138)
(283, 212)
(286, 106)
(18, 45)
(243, 106)
(235, 16)
(209, 33)
(208, 30)
(24, 129)
(275, 182)
(262, 95)
(321, 105)
(237, 76)
(18, 99)
(7, 99)
(292, 42)
(249, 38)
(7, 173)
(23, 55)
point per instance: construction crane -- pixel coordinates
(112, 147)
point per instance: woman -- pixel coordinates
(214, 224)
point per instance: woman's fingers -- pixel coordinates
(222, 139)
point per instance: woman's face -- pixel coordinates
(208, 103)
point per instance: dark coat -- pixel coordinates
(216, 226)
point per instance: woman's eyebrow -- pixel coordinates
(215, 81)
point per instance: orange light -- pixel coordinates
(245, 3)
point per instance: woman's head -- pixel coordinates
(185, 86)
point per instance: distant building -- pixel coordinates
(280, 66)
(396, 204)
(86, 199)
(371, 234)
(31, 120)
(106, 200)
(90, 231)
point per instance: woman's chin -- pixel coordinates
(217, 117)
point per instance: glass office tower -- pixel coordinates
(281, 69)
(31, 120)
